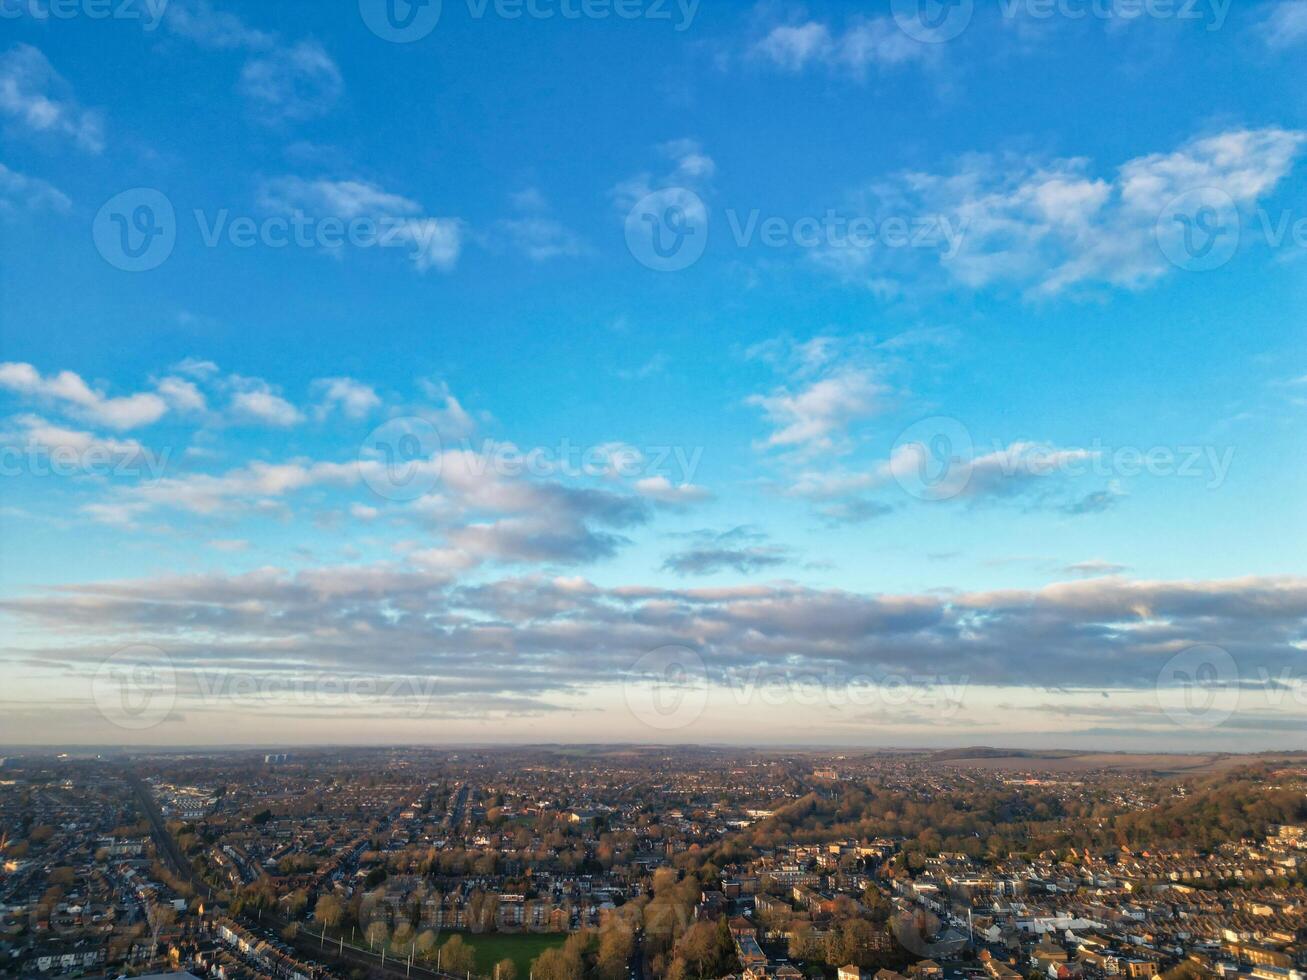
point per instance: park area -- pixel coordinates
(521, 948)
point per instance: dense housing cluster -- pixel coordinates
(620, 863)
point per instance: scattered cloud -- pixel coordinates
(199, 21)
(691, 169)
(68, 391)
(195, 367)
(182, 395)
(1095, 567)
(38, 100)
(664, 491)
(255, 401)
(538, 633)
(433, 243)
(230, 545)
(20, 192)
(353, 399)
(1285, 25)
(291, 84)
(853, 511)
(1048, 227)
(815, 417)
(535, 232)
(864, 44)
(1095, 502)
(739, 549)
(831, 384)
(446, 413)
(34, 432)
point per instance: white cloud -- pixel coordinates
(199, 21)
(1031, 474)
(29, 193)
(865, 43)
(344, 199)
(291, 84)
(229, 545)
(432, 242)
(662, 490)
(195, 367)
(39, 100)
(541, 238)
(1285, 26)
(258, 403)
(815, 417)
(69, 390)
(1047, 227)
(250, 485)
(437, 242)
(792, 47)
(354, 398)
(535, 233)
(691, 169)
(448, 415)
(182, 395)
(38, 433)
(121, 515)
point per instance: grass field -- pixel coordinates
(521, 948)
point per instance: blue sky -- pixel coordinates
(978, 366)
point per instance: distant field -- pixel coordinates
(521, 948)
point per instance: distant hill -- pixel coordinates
(987, 752)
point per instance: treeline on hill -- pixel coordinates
(1217, 812)
(995, 823)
